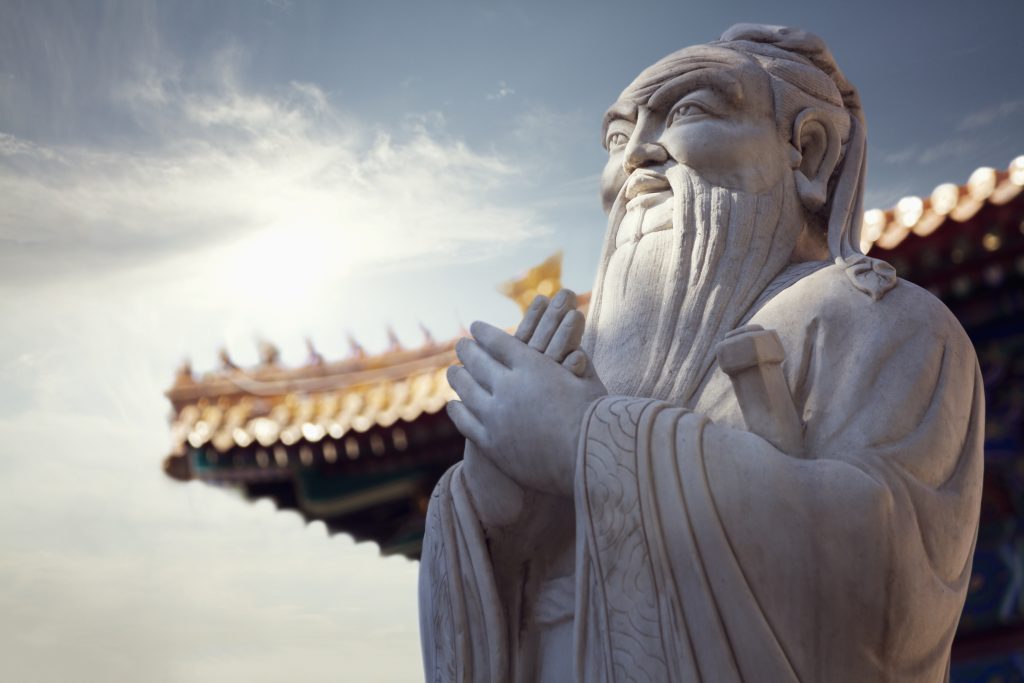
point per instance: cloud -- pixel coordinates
(948, 149)
(134, 577)
(989, 115)
(219, 208)
(541, 125)
(182, 209)
(502, 92)
(901, 156)
(222, 164)
(952, 148)
(143, 579)
(966, 142)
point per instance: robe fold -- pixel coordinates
(702, 553)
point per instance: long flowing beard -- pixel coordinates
(658, 314)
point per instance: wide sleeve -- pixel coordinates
(703, 553)
(870, 542)
(462, 620)
(655, 602)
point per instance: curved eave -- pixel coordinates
(948, 202)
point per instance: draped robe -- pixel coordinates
(702, 553)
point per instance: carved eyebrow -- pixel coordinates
(716, 80)
(623, 109)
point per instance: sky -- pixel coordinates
(177, 177)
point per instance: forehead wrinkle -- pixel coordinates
(710, 58)
(715, 79)
(678, 64)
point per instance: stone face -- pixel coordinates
(759, 458)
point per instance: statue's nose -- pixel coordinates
(643, 154)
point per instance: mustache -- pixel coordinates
(644, 181)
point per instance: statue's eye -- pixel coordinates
(684, 110)
(616, 140)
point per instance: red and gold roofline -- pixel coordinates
(922, 216)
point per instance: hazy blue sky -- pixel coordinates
(179, 176)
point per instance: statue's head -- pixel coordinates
(726, 162)
(743, 112)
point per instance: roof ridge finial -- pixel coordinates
(313, 357)
(184, 374)
(225, 360)
(394, 343)
(428, 337)
(355, 349)
(270, 355)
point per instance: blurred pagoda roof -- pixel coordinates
(271, 405)
(948, 203)
(357, 442)
(268, 405)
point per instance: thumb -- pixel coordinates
(576, 363)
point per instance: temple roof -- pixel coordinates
(270, 404)
(948, 202)
(236, 407)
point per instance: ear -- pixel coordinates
(816, 147)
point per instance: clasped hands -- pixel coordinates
(523, 396)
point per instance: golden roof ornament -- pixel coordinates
(545, 278)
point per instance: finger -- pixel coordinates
(576, 363)
(484, 369)
(567, 336)
(532, 317)
(563, 302)
(471, 393)
(500, 345)
(467, 424)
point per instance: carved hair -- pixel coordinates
(799, 59)
(799, 63)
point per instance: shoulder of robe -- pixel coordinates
(906, 314)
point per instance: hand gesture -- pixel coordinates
(553, 328)
(523, 408)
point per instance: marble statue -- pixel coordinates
(760, 457)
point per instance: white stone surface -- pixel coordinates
(630, 509)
